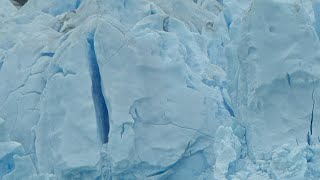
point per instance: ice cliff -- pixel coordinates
(160, 89)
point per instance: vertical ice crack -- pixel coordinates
(312, 112)
(228, 108)
(1, 63)
(311, 119)
(78, 3)
(289, 79)
(309, 138)
(100, 105)
(166, 24)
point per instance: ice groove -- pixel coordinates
(101, 108)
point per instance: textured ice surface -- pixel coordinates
(160, 89)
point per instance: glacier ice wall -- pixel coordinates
(159, 89)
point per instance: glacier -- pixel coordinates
(159, 89)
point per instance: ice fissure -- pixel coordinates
(288, 79)
(100, 104)
(165, 25)
(1, 64)
(228, 108)
(312, 111)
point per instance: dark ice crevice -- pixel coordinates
(101, 109)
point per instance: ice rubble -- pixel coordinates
(159, 89)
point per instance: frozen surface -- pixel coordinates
(160, 89)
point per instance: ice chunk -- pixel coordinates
(288, 163)
(24, 168)
(227, 150)
(274, 82)
(7, 150)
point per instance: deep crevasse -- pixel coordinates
(183, 89)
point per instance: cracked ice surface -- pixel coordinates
(159, 89)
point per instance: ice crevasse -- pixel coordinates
(160, 89)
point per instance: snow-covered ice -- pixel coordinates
(160, 89)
